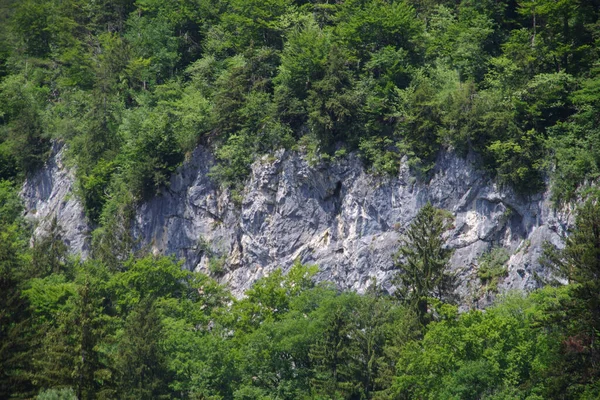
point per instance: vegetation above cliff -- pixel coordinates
(133, 86)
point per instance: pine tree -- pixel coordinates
(422, 261)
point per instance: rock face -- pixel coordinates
(337, 216)
(48, 194)
(345, 220)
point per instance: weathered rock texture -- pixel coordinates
(49, 194)
(337, 216)
(343, 219)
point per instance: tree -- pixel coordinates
(561, 28)
(423, 260)
(482, 355)
(382, 328)
(23, 143)
(49, 251)
(71, 311)
(269, 298)
(254, 23)
(460, 40)
(334, 352)
(141, 359)
(579, 262)
(17, 333)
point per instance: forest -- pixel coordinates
(131, 87)
(148, 329)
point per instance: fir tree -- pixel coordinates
(579, 262)
(422, 261)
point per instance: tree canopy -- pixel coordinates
(131, 87)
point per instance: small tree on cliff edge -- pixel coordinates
(422, 260)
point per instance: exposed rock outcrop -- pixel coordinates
(337, 216)
(345, 220)
(48, 194)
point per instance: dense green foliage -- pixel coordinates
(134, 85)
(146, 329)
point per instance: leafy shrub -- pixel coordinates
(57, 394)
(492, 267)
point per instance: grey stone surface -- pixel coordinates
(337, 216)
(345, 220)
(48, 194)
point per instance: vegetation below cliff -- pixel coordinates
(146, 329)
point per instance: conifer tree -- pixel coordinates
(17, 333)
(579, 262)
(141, 360)
(68, 354)
(422, 261)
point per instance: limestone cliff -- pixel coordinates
(50, 193)
(335, 215)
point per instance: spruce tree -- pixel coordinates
(422, 261)
(579, 262)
